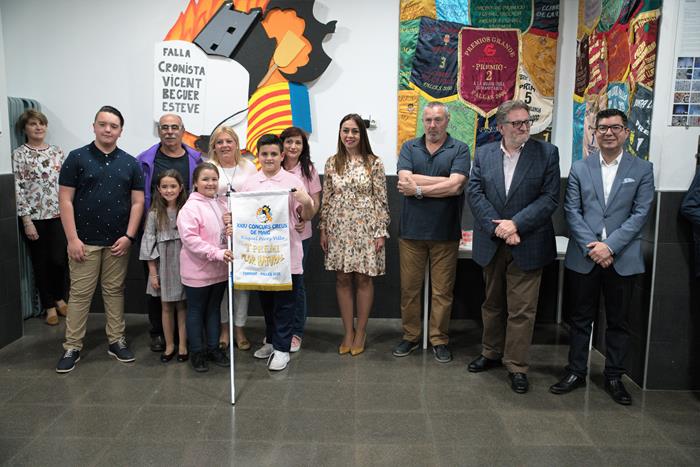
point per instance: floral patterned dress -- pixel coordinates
(354, 212)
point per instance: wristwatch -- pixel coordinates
(131, 239)
(419, 193)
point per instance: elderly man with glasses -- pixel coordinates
(608, 199)
(513, 190)
(169, 153)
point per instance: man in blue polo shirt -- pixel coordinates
(432, 172)
(169, 153)
(101, 201)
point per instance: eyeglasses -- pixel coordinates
(519, 123)
(169, 127)
(616, 129)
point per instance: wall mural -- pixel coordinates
(472, 55)
(243, 63)
(615, 68)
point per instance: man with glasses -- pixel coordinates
(513, 191)
(169, 153)
(608, 199)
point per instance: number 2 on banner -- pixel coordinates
(489, 75)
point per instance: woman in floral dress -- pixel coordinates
(353, 225)
(36, 166)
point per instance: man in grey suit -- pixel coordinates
(513, 191)
(608, 199)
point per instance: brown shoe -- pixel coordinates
(51, 317)
(62, 308)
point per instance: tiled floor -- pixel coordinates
(325, 409)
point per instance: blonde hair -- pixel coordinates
(212, 142)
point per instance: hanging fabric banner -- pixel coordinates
(643, 36)
(414, 9)
(435, 62)
(541, 108)
(501, 14)
(639, 122)
(610, 11)
(630, 9)
(618, 53)
(462, 125)
(486, 131)
(408, 116)
(408, 38)
(546, 16)
(597, 64)
(262, 258)
(594, 104)
(619, 96)
(579, 128)
(456, 11)
(588, 15)
(488, 67)
(581, 66)
(540, 58)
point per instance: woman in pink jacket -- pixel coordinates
(203, 269)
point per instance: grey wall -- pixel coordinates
(674, 339)
(10, 311)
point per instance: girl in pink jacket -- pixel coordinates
(203, 268)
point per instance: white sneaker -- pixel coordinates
(278, 360)
(264, 352)
(296, 344)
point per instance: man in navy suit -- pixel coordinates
(608, 199)
(513, 191)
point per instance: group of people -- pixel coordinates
(168, 203)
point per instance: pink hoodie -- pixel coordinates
(200, 225)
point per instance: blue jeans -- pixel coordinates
(279, 309)
(300, 309)
(203, 315)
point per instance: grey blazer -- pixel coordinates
(624, 215)
(532, 199)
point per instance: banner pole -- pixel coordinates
(230, 306)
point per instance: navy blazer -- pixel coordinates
(623, 216)
(691, 210)
(532, 199)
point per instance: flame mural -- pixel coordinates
(279, 43)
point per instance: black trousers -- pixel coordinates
(49, 255)
(153, 306)
(617, 295)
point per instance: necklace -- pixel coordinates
(36, 148)
(230, 179)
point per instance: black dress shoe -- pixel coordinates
(165, 357)
(567, 384)
(617, 391)
(482, 363)
(518, 382)
(157, 344)
(183, 357)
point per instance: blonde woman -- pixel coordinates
(234, 170)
